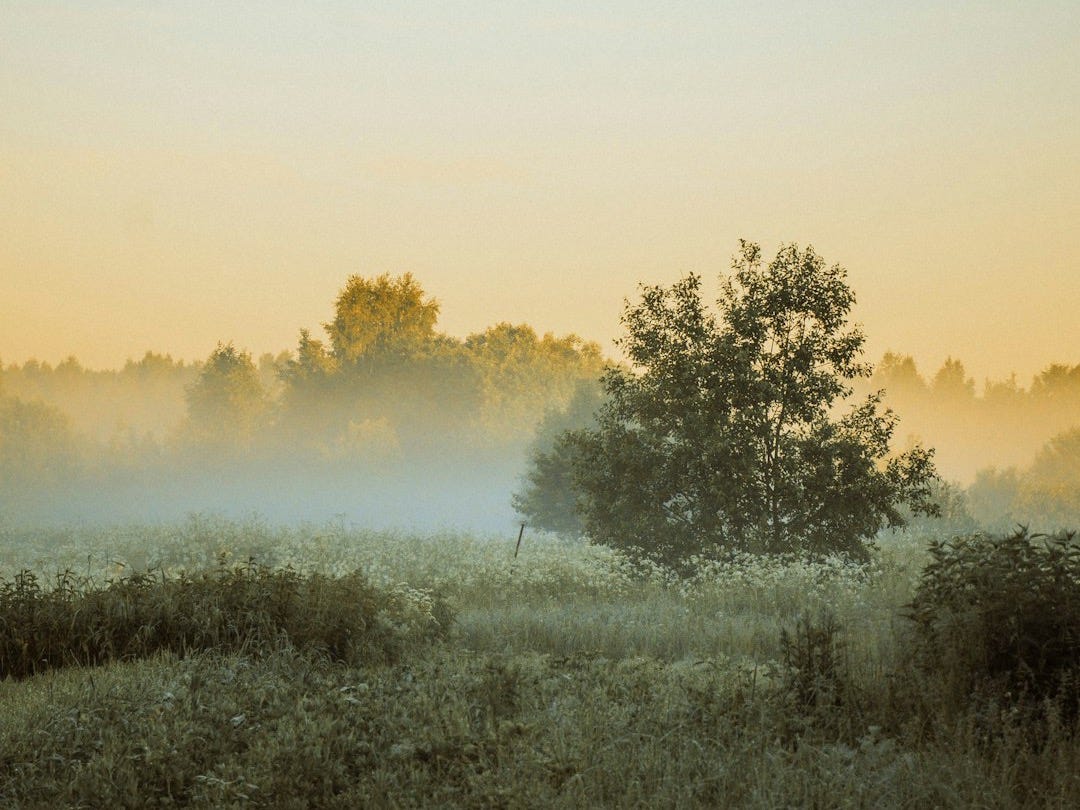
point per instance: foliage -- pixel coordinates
(145, 396)
(596, 683)
(1057, 382)
(1050, 491)
(226, 401)
(1003, 426)
(386, 366)
(1045, 494)
(231, 608)
(559, 595)
(382, 397)
(384, 316)
(952, 383)
(898, 375)
(129, 429)
(952, 516)
(725, 437)
(548, 497)
(459, 730)
(312, 367)
(1001, 613)
(994, 496)
(814, 678)
(524, 376)
(462, 567)
(37, 445)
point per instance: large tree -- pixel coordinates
(724, 429)
(383, 317)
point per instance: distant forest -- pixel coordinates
(384, 411)
(351, 418)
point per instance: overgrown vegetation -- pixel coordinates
(250, 608)
(999, 617)
(729, 614)
(572, 676)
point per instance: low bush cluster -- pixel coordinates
(229, 608)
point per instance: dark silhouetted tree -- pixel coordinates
(723, 433)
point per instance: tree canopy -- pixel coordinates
(723, 432)
(381, 316)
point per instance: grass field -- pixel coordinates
(249, 665)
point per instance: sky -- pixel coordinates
(174, 175)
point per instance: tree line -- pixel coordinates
(745, 424)
(1000, 422)
(382, 386)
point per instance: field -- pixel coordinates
(251, 665)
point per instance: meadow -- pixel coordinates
(220, 663)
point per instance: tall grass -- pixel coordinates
(571, 677)
(449, 729)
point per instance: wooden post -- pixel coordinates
(520, 535)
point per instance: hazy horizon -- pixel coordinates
(927, 365)
(174, 177)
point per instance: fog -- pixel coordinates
(379, 419)
(473, 496)
(998, 423)
(1011, 448)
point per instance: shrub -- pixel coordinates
(1000, 616)
(815, 679)
(245, 607)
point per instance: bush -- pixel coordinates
(1000, 617)
(239, 608)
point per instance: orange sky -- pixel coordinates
(174, 177)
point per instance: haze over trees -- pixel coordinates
(384, 414)
(1013, 447)
(378, 405)
(1044, 493)
(226, 403)
(1003, 424)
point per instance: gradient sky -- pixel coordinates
(176, 174)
